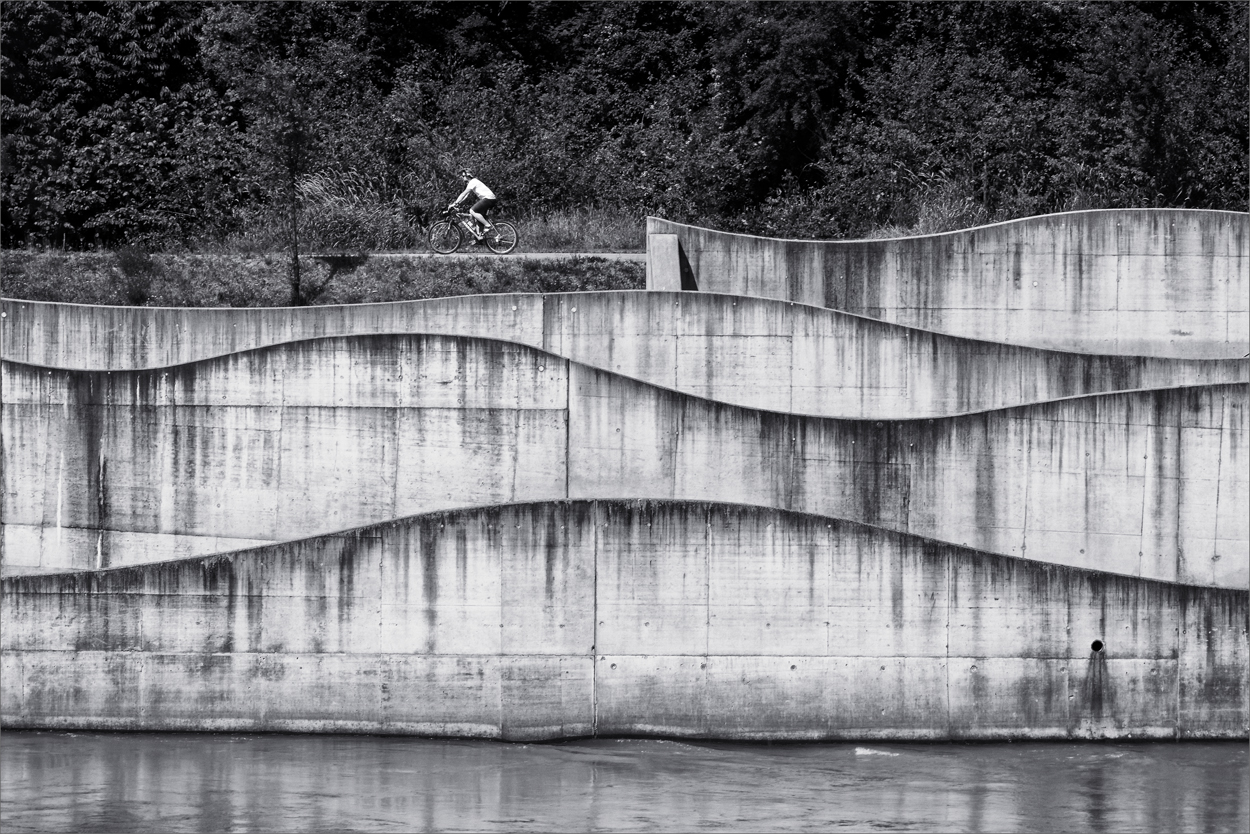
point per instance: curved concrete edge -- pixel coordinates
(757, 353)
(663, 225)
(581, 618)
(101, 337)
(308, 437)
(1105, 282)
(1147, 483)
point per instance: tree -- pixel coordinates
(100, 107)
(302, 85)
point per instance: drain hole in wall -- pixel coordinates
(1096, 645)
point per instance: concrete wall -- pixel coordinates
(758, 353)
(781, 356)
(91, 337)
(979, 512)
(1148, 483)
(1153, 282)
(104, 469)
(565, 619)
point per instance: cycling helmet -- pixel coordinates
(466, 173)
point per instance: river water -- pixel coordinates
(136, 782)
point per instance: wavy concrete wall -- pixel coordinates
(1152, 282)
(104, 469)
(567, 619)
(758, 353)
(1107, 444)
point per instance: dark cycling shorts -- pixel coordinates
(482, 205)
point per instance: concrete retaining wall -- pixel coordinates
(1152, 282)
(103, 469)
(263, 446)
(1106, 443)
(599, 618)
(758, 353)
(1149, 483)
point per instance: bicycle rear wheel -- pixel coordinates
(503, 239)
(444, 237)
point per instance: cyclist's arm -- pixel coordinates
(463, 194)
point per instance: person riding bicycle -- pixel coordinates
(485, 200)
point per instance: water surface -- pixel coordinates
(138, 782)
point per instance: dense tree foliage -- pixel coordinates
(167, 124)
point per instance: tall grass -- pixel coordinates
(345, 211)
(580, 230)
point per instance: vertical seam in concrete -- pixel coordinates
(677, 334)
(597, 513)
(401, 401)
(950, 574)
(1150, 435)
(790, 381)
(568, 425)
(1180, 491)
(1119, 275)
(707, 580)
(502, 660)
(516, 450)
(1219, 471)
(1028, 468)
(829, 577)
(1180, 665)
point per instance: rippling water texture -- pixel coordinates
(175, 782)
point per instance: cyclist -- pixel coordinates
(485, 200)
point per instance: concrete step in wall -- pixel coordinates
(576, 618)
(758, 353)
(1151, 282)
(102, 469)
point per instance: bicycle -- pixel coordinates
(447, 234)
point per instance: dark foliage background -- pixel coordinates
(170, 126)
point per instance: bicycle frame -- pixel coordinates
(465, 220)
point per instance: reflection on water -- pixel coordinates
(192, 782)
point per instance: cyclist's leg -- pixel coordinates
(479, 214)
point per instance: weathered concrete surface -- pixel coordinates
(758, 353)
(1147, 483)
(104, 469)
(779, 356)
(1153, 282)
(663, 263)
(565, 619)
(90, 337)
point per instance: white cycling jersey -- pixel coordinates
(478, 189)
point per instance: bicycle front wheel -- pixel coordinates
(503, 239)
(444, 237)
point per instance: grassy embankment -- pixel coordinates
(233, 275)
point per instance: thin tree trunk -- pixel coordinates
(297, 294)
